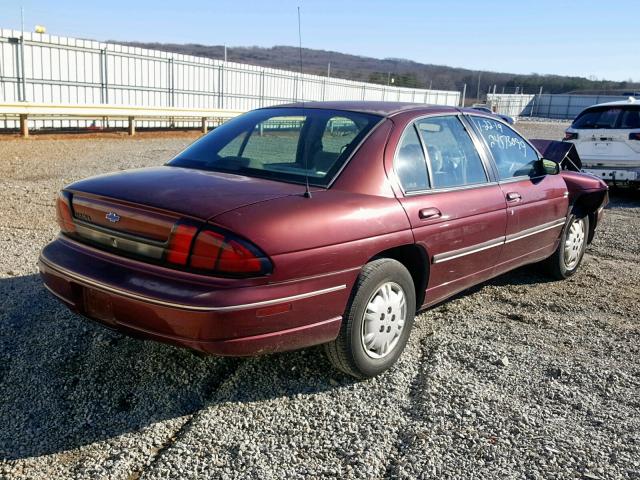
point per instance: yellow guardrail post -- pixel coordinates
(132, 126)
(24, 125)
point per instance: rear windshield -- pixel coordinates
(609, 117)
(284, 144)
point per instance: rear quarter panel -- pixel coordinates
(330, 232)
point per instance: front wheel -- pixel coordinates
(567, 258)
(377, 321)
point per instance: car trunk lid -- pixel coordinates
(137, 210)
(189, 192)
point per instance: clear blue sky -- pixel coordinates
(585, 38)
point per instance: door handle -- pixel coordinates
(429, 213)
(513, 197)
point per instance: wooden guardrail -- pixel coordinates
(26, 110)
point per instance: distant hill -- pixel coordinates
(406, 73)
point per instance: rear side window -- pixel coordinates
(630, 118)
(607, 117)
(513, 156)
(410, 164)
(453, 158)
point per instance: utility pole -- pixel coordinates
(24, 80)
(464, 94)
(329, 70)
(478, 90)
(225, 54)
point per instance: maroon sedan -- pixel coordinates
(323, 223)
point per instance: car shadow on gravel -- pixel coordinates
(66, 382)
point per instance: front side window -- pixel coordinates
(514, 157)
(286, 144)
(453, 158)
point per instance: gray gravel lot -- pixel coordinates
(520, 377)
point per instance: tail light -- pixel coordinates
(64, 213)
(634, 136)
(215, 251)
(180, 243)
(570, 135)
(191, 245)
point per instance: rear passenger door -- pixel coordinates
(455, 207)
(536, 203)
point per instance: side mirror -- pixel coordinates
(549, 167)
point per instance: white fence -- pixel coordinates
(50, 69)
(558, 106)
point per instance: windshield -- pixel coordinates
(281, 144)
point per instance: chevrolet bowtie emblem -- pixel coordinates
(112, 217)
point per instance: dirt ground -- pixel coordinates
(520, 377)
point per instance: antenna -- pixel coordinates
(307, 192)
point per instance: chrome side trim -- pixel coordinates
(519, 178)
(496, 242)
(227, 308)
(533, 230)
(450, 189)
(479, 247)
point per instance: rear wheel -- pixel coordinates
(377, 321)
(567, 258)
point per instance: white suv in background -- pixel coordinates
(607, 137)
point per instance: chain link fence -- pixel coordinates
(553, 106)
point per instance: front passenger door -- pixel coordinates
(536, 203)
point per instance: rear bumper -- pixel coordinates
(615, 175)
(213, 316)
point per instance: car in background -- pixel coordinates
(325, 223)
(607, 137)
(486, 109)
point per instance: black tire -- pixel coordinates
(558, 265)
(348, 352)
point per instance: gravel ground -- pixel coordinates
(520, 377)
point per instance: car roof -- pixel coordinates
(385, 109)
(617, 103)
